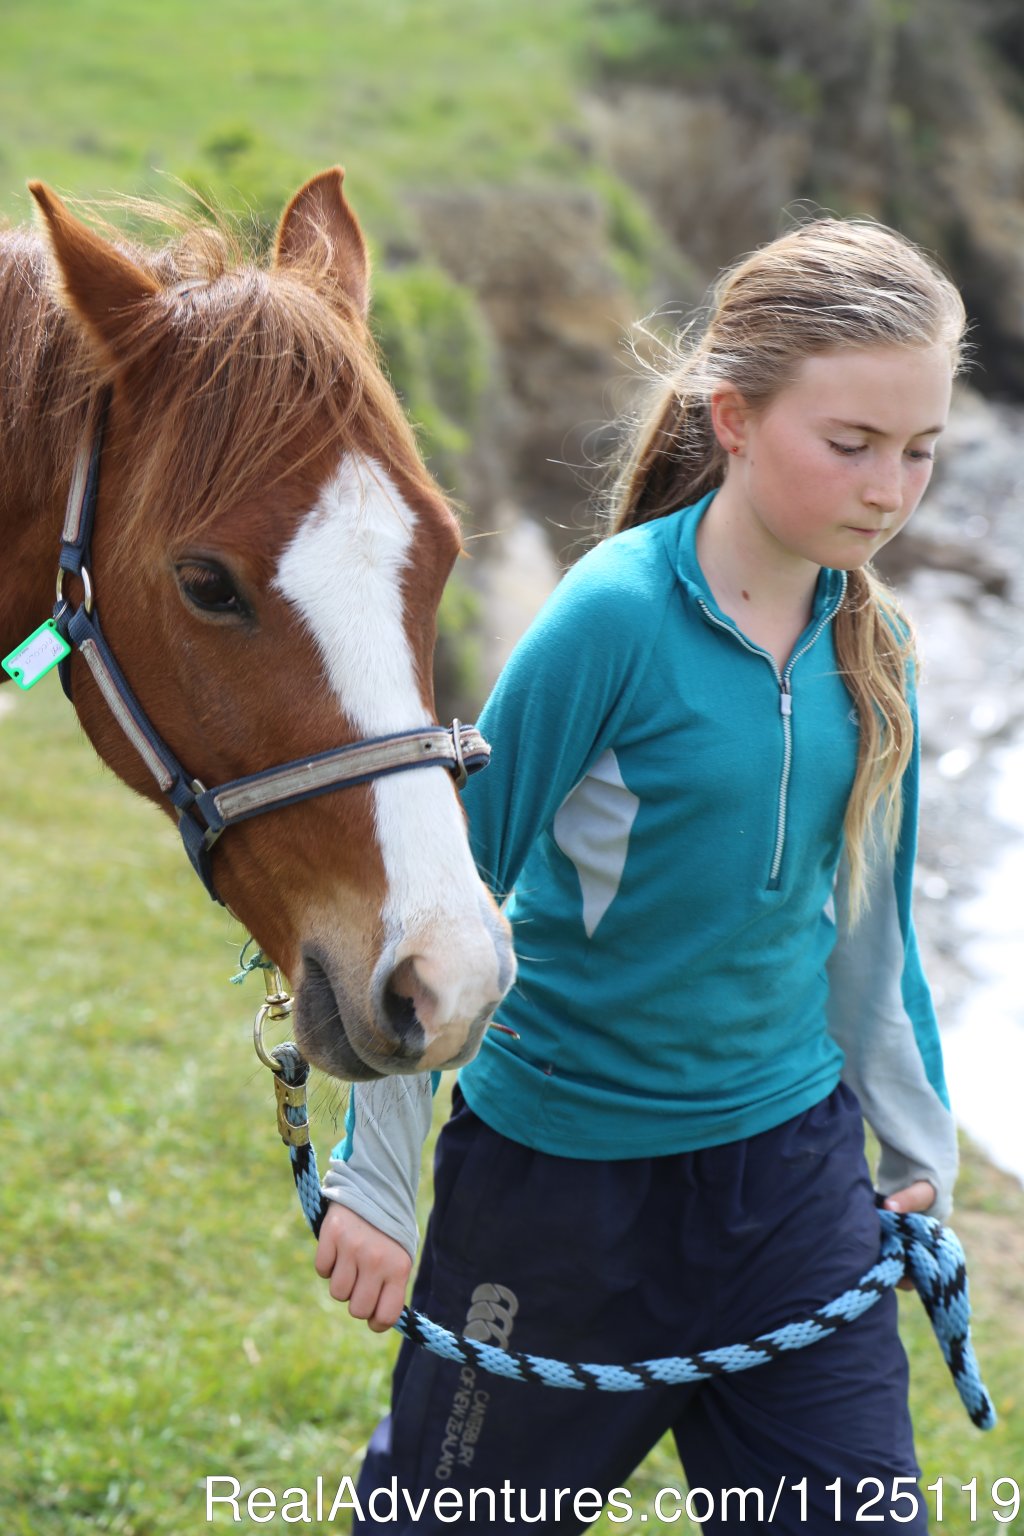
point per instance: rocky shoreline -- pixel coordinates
(959, 568)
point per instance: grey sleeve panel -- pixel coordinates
(380, 1179)
(884, 1067)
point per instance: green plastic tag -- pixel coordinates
(36, 656)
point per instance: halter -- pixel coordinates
(203, 814)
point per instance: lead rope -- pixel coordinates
(914, 1245)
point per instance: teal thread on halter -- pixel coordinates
(914, 1245)
(259, 962)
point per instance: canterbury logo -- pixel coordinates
(491, 1311)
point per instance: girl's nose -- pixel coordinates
(885, 490)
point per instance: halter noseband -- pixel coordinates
(203, 814)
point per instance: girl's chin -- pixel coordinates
(861, 545)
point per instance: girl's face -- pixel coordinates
(835, 465)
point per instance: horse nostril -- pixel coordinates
(407, 1002)
(400, 1013)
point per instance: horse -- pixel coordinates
(268, 551)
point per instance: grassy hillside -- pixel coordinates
(256, 94)
(162, 1320)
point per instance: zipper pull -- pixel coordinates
(785, 701)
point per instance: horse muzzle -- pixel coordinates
(429, 999)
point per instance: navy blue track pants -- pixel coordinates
(643, 1257)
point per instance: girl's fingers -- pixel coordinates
(344, 1279)
(389, 1307)
(365, 1295)
(326, 1252)
(916, 1197)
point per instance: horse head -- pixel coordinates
(269, 555)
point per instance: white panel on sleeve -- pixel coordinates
(592, 828)
(380, 1179)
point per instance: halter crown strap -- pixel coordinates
(83, 495)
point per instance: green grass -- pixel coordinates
(258, 93)
(244, 99)
(162, 1320)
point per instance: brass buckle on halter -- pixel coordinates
(278, 1005)
(269, 1010)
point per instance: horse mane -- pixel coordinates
(43, 395)
(250, 370)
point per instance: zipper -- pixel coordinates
(786, 710)
(784, 680)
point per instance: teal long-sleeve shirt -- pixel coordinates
(664, 810)
(667, 810)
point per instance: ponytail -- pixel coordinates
(676, 458)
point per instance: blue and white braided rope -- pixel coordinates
(911, 1244)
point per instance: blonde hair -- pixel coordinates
(826, 285)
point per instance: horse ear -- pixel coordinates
(101, 286)
(317, 212)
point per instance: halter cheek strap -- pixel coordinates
(204, 814)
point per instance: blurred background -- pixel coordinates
(534, 178)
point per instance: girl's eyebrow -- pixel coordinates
(860, 426)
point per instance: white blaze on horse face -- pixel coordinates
(344, 571)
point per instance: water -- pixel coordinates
(984, 1046)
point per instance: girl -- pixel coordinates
(704, 794)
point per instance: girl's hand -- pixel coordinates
(916, 1197)
(365, 1268)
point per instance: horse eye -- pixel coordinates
(208, 586)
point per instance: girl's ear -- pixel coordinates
(99, 285)
(319, 214)
(730, 414)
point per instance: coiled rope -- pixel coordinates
(913, 1245)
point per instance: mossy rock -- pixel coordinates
(434, 340)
